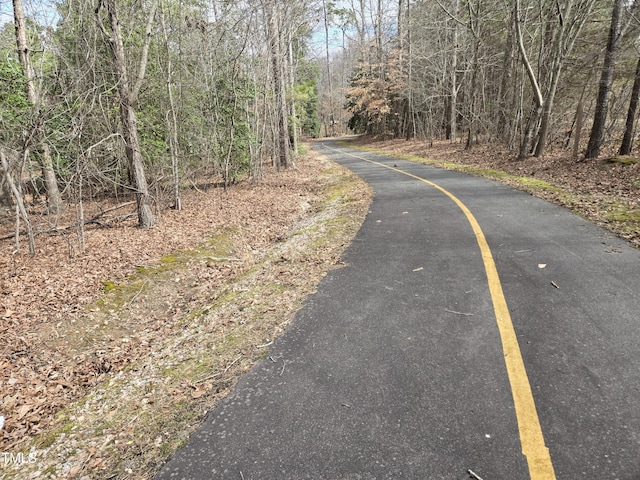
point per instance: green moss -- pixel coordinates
(535, 184)
(49, 437)
(336, 192)
(192, 369)
(625, 215)
(625, 160)
(120, 293)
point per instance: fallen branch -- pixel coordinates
(117, 207)
(195, 186)
(95, 220)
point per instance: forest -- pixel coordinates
(528, 75)
(135, 100)
(152, 152)
(139, 100)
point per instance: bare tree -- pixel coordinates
(275, 19)
(331, 119)
(606, 79)
(128, 96)
(561, 27)
(172, 120)
(627, 139)
(452, 132)
(24, 55)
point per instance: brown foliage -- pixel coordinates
(56, 342)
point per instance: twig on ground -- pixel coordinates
(210, 377)
(199, 191)
(473, 474)
(94, 221)
(458, 313)
(133, 299)
(231, 364)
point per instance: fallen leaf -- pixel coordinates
(23, 410)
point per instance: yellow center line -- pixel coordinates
(531, 438)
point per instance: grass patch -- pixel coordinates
(627, 218)
(528, 183)
(48, 438)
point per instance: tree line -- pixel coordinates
(529, 75)
(138, 99)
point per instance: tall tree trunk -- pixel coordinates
(136, 167)
(474, 26)
(505, 101)
(279, 83)
(6, 195)
(292, 85)
(627, 140)
(358, 12)
(54, 198)
(606, 79)
(128, 96)
(401, 29)
(328, 57)
(578, 134)
(472, 93)
(562, 41)
(172, 120)
(538, 98)
(551, 65)
(453, 86)
(411, 128)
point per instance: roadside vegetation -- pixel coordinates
(606, 191)
(109, 382)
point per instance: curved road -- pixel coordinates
(475, 332)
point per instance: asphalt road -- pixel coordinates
(401, 366)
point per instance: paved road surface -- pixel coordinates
(397, 368)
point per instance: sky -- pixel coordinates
(43, 10)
